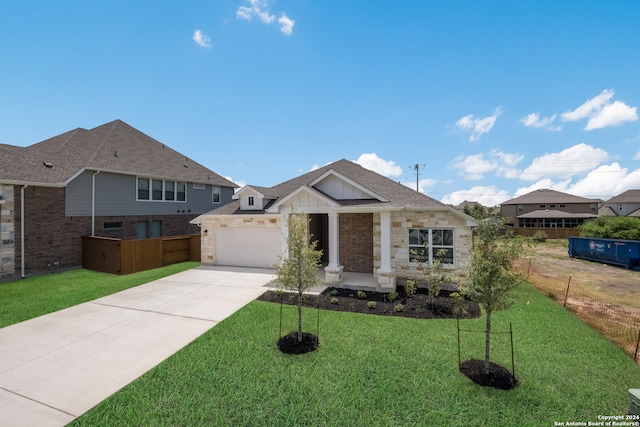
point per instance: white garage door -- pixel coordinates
(247, 247)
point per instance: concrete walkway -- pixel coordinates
(56, 367)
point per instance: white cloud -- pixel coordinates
(485, 195)
(534, 120)
(601, 112)
(603, 182)
(478, 126)
(577, 159)
(239, 183)
(201, 39)
(260, 9)
(474, 167)
(372, 162)
(637, 156)
(286, 24)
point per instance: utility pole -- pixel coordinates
(417, 169)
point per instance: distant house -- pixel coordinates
(363, 221)
(556, 213)
(111, 181)
(625, 204)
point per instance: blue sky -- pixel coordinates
(492, 99)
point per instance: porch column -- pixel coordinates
(333, 272)
(386, 276)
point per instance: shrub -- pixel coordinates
(410, 288)
(333, 292)
(334, 300)
(392, 296)
(539, 237)
(397, 307)
(362, 294)
(372, 305)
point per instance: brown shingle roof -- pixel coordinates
(396, 194)
(545, 196)
(629, 196)
(114, 147)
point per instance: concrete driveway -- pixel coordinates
(56, 367)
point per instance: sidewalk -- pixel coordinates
(56, 367)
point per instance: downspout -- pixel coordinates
(93, 203)
(22, 230)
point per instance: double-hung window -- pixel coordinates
(429, 244)
(160, 190)
(216, 194)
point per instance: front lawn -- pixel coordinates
(379, 371)
(32, 297)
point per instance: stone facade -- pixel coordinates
(402, 221)
(7, 232)
(50, 234)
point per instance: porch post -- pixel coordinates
(333, 272)
(386, 276)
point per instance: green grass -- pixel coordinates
(32, 297)
(379, 371)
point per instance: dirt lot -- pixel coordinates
(550, 267)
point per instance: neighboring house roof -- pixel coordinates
(545, 196)
(606, 211)
(552, 213)
(113, 147)
(385, 192)
(467, 204)
(629, 196)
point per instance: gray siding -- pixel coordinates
(116, 195)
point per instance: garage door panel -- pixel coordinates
(247, 247)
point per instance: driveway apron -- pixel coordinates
(56, 367)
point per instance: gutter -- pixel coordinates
(93, 203)
(22, 273)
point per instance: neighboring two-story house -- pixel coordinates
(363, 222)
(553, 212)
(111, 181)
(625, 204)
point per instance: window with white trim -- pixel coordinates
(251, 201)
(216, 194)
(160, 190)
(429, 244)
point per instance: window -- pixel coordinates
(520, 208)
(156, 189)
(198, 186)
(439, 240)
(543, 206)
(143, 189)
(216, 194)
(111, 225)
(251, 201)
(169, 190)
(161, 191)
(552, 206)
(593, 207)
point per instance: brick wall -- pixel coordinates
(356, 242)
(49, 233)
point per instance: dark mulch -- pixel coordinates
(498, 376)
(289, 343)
(416, 306)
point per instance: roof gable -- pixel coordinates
(629, 196)
(340, 187)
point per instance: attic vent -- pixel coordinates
(48, 165)
(185, 165)
(115, 153)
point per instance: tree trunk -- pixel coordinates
(487, 343)
(300, 317)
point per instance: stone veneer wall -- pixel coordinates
(236, 221)
(401, 222)
(49, 233)
(7, 232)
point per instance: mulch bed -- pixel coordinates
(289, 343)
(416, 306)
(497, 377)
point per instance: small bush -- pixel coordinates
(362, 294)
(333, 300)
(333, 292)
(372, 305)
(392, 296)
(398, 307)
(539, 237)
(410, 288)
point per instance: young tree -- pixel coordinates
(492, 278)
(298, 272)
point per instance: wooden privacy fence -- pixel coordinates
(117, 256)
(552, 233)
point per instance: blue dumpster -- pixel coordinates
(625, 253)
